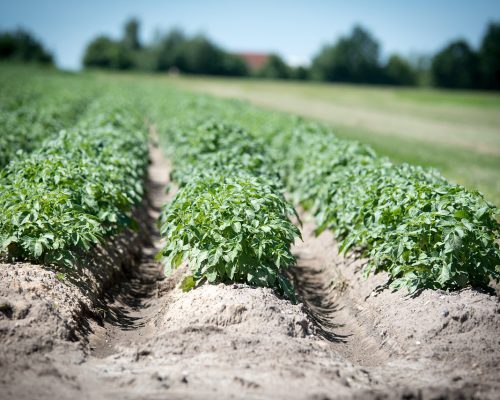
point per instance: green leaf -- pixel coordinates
(38, 249)
(188, 283)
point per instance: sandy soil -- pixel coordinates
(132, 334)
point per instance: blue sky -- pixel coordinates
(295, 29)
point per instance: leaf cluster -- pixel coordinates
(424, 231)
(230, 229)
(229, 219)
(201, 148)
(74, 189)
(30, 113)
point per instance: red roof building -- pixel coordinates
(255, 61)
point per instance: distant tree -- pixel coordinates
(421, 64)
(131, 35)
(354, 58)
(275, 68)
(398, 71)
(233, 65)
(456, 66)
(197, 55)
(489, 57)
(200, 56)
(22, 46)
(104, 52)
(299, 73)
(167, 50)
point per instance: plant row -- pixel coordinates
(424, 231)
(76, 188)
(31, 111)
(409, 221)
(229, 219)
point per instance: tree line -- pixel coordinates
(353, 58)
(171, 51)
(21, 46)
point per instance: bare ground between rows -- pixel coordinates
(433, 338)
(347, 339)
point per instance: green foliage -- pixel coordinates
(275, 68)
(201, 148)
(299, 73)
(229, 219)
(398, 71)
(456, 66)
(22, 46)
(230, 229)
(168, 52)
(409, 221)
(31, 112)
(131, 35)
(103, 52)
(353, 58)
(76, 189)
(489, 57)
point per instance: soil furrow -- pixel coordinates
(325, 291)
(133, 303)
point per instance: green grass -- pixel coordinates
(457, 132)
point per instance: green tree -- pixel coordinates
(354, 58)
(104, 52)
(233, 65)
(197, 55)
(275, 68)
(299, 73)
(131, 35)
(167, 50)
(489, 57)
(22, 46)
(398, 71)
(200, 56)
(456, 66)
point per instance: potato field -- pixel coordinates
(157, 243)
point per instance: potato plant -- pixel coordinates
(230, 228)
(229, 220)
(410, 222)
(201, 148)
(76, 189)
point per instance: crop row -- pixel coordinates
(229, 219)
(409, 221)
(424, 231)
(75, 188)
(31, 112)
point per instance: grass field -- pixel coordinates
(457, 132)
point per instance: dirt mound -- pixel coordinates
(217, 341)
